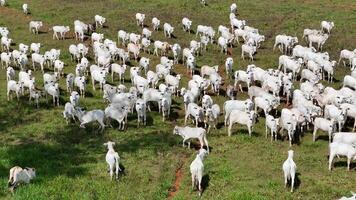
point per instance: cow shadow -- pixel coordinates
(205, 182)
(322, 137)
(343, 164)
(40, 32)
(173, 36)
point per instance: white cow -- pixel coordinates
(53, 90)
(197, 167)
(250, 50)
(61, 30)
(243, 118)
(211, 116)
(163, 46)
(80, 82)
(228, 66)
(19, 175)
(25, 8)
(289, 169)
(146, 33)
(155, 23)
(10, 73)
(272, 124)
(99, 20)
(319, 39)
(35, 47)
(140, 18)
(341, 149)
(120, 70)
(186, 24)
(345, 137)
(168, 30)
(194, 111)
(70, 82)
(327, 26)
(13, 86)
(348, 55)
(113, 159)
(5, 59)
(134, 49)
(191, 133)
(324, 125)
(34, 26)
(123, 36)
(86, 117)
(177, 50)
(140, 107)
(223, 44)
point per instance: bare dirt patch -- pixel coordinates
(6, 11)
(178, 178)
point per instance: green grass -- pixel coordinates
(70, 162)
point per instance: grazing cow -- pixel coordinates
(19, 175)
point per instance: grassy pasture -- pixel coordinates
(70, 161)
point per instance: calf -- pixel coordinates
(141, 111)
(272, 124)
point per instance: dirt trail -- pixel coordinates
(178, 178)
(22, 17)
(7, 11)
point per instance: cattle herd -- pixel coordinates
(313, 104)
